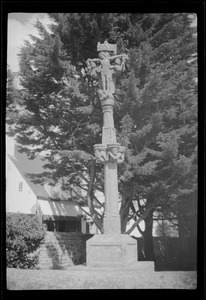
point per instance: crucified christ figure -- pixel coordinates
(106, 70)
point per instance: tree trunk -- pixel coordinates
(124, 213)
(148, 238)
(123, 218)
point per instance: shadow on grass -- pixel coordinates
(168, 256)
(175, 264)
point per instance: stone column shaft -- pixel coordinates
(108, 130)
(111, 218)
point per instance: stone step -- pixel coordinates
(59, 250)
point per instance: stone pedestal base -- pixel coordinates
(111, 250)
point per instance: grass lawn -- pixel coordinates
(81, 277)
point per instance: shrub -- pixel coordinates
(24, 234)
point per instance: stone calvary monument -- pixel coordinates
(111, 249)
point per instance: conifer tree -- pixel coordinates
(160, 127)
(10, 87)
(13, 98)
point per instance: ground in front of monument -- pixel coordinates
(140, 276)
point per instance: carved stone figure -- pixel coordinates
(100, 152)
(112, 151)
(106, 71)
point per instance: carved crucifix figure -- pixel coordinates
(106, 71)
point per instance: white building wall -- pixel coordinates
(23, 201)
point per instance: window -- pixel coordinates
(63, 226)
(74, 226)
(20, 186)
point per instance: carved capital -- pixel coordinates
(111, 152)
(100, 152)
(116, 152)
(121, 154)
(109, 101)
(105, 95)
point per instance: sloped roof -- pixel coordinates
(58, 208)
(46, 207)
(34, 166)
(26, 166)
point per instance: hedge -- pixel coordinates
(24, 234)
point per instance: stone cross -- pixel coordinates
(111, 249)
(109, 152)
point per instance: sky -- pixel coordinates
(20, 25)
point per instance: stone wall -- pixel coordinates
(61, 250)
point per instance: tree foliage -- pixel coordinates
(155, 109)
(23, 237)
(13, 97)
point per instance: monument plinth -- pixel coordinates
(111, 249)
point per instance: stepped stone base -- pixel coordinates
(61, 250)
(111, 250)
